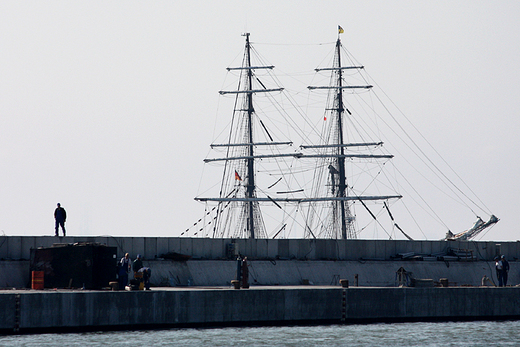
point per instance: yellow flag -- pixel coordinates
(340, 29)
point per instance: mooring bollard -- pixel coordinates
(235, 284)
(344, 283)
(114, 285)
(245, 274)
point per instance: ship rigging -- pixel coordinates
(320, 207)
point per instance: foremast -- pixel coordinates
(252, 206)
(341, 222)
(240, 160)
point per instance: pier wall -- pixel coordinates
(166, 273)
(278, 262)
(38, 311)
(18, 247)
(318, 272)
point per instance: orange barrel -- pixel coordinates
(37, 280)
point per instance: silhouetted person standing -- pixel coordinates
(505, 270)
(60, 216)
(125, 265)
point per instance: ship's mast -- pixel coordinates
(342, 219)
(250, 191)
(346, 216)
(243, 151)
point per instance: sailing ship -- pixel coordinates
(308, 186)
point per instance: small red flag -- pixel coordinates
(237, 176)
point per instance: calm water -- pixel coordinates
(403, 334)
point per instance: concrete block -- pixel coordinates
(77, 239)
(197, 245)
(425, 247)
(262, 249)
(211, 248)
(220, 251)
(7, 313)
(371, 251)
(113, 242)
(138, 246)
(313, 304)
(4, 246)
(26, 244)
(14, 274)
(248, 247)
(484, 251)
(353, 249)
(342, 252)
(321, 249)
(174, 244)
(294, 248)
(306, 250)
(14, 247)
(380, 250)
(283, 249)
(163, 245)
(150, 248)
(404, 246)
(437, 247)
(272, 249)
(186, 246)
(121, 244)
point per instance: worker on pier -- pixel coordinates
(500, 273)
(124, 268)
(138, 276)
(138, 263)
(147, 273)
(505, 269)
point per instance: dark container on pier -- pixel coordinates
(80, 265)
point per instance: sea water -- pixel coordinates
(481, 333)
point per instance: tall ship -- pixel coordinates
(330, 181)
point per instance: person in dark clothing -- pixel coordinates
(124, 268)
(499, 267)
(60, 216)
(138, 263)
(505, 270)
(147, 272)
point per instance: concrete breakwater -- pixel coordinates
(283, 262)
(50, 311)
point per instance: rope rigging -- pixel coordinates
(345, 172)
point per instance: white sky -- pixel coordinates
(108, 106)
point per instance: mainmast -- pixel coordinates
(341, 220)
(346, 216)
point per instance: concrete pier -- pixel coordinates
(283, 262)
(197, 292)
(61, 310)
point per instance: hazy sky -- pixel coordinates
(108, 106)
